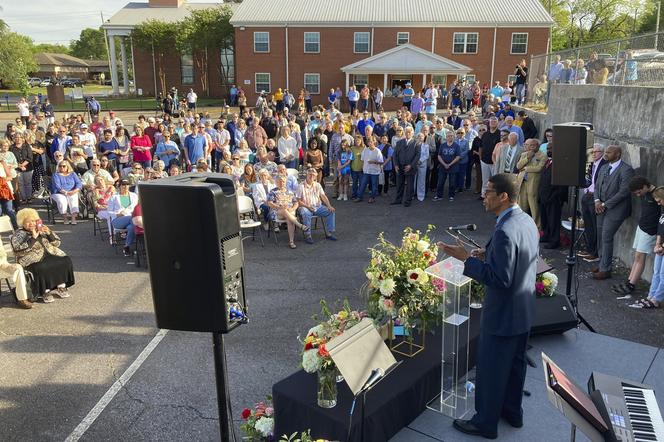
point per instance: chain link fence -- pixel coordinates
(636, 61)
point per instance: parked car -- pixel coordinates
(34, 81)
(45, 83)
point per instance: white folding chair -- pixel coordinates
(6, 229)
(249, 218)
(293, 172)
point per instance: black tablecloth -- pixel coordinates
(391, 405)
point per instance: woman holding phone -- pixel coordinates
(36, 249)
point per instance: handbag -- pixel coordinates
(5, 192)
(381, 179)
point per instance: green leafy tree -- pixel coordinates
(648, 22)
(158, 37)
(203, 33)
(16, 59)
(90, 45)
(51, 48)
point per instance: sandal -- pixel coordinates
(644, 303)
(304, 228)
(292, 245)
(622, 289)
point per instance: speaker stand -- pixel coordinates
(571, 262)
(223, 396)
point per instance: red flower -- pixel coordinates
(308, 346)
(322, 351)
(414, 276)
(246, 413)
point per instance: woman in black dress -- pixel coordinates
(36, 249)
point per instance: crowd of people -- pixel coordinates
(284, 152)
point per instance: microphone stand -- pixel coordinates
(467, 238)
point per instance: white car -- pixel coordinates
(34, 81)
(45, 83)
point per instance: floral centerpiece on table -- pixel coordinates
(305, 436)
(399, 288)
(258, 422)
(545, 285)
(316, 358)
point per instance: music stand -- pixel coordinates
(573, 403)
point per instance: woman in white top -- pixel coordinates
(261, 190)
(120, 209)
(287, 146)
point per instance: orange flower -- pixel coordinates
(322, 351)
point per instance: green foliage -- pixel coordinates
(90, 45)
(648, 21)
(51, 48)
(157, 36)
(16, 60)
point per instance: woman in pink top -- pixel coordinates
(140, 147)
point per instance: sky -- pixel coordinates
(59, 22)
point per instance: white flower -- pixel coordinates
(422, 245)
(417, 276)
(317, 330)
(310, 361)
(387, 286)
(265, 425)
(370, 276)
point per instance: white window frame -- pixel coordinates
(355, 43)
(269, 82)
(256, 33)
(470, 78)
(355, 82)
(317, 51)
(317, 84)
(399, 34)
(465, 42)
(512, 43)
(182, 67)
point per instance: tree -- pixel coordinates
(649, 19)
(90, 45)
(16, 59)
(202, 31)
(52, 48)
(156, 37)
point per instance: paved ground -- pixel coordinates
(58, 360)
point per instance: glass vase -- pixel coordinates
(327, 387)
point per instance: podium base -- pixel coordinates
(455, 404)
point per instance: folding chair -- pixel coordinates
(249, 218)
(141, 251)
(6, 230)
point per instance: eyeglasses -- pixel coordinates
(549, 135)
(62, 166)
(138, 168)
(482, 130)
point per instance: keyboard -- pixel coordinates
(629, 407)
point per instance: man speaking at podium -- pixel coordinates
(508, 269)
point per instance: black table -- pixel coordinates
(391, 405)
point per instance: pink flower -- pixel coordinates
(439, 284)
(269, 411)
(447, 265)
(539, 287)
(388, 303)
(432, 262)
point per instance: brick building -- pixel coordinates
(180, 70)
(319, 45)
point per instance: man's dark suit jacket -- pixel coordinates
(407, 154)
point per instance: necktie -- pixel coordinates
(508, 160)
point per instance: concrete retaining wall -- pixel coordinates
(630, 116)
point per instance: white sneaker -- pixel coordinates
(341, 197)
(266, 227)
(345, 197)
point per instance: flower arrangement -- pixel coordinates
(546, 284)
(305, 436)
(314, 354)
(258, 422)
(398, 287)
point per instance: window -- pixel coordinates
(262, 82)
(439, 79)
(311, 42)
(360, 79)
(261, 42)
(361, 43)
(470, 78)
(403, 38)
(312, 83)
(187, 68)
(511, 79)
(519, 43)
(465, 42)
(228, 64)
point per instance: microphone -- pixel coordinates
(375, 376)
(469, 227)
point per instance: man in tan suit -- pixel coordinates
(15, 273)
(530, 166)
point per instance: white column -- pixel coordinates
(424, 81)
(125, 68)
(347, 83)
(384, 83)
(114, 65)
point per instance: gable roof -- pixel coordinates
(413, 13)
(406, 59)
(134, 13)
(51, 59)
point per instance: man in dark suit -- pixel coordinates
(550, 201)
(454, 120)
(588, 204)
(405, 159)
(613, 205)
(508, 269)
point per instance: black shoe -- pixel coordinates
(394, 203)
(515, 424)
(406, 204)
(126, 251)
(469, 428)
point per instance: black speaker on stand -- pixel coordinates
(196, 260)
(571, 141)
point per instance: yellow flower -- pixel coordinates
(546, 282)
(343, 314)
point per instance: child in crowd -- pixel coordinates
(356, 165)
(345, 158)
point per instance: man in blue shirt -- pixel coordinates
(109, 146)
(353, 97)
(195, 146)
(408, 95)
(509, 125)
(497, 90)
(448, 158)
(362, 124)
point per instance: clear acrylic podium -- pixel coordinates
(455, 398)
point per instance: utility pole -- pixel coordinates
(108, 52)
(659, 10)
